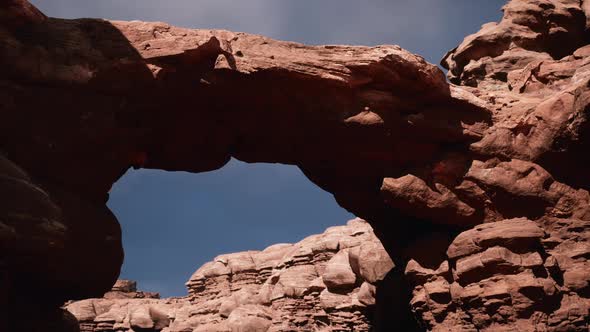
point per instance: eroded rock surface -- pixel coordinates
(510, 274)
(523, 269)
(531, 69)
(325, 282)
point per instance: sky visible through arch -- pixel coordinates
(173, 222)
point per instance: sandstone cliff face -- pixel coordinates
(478, 189)
(508, 275)
(325, 282)
(533, 273)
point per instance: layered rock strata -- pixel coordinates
(512, 274)
(527, 268)
(325, 282)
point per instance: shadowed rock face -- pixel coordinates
(420, 159)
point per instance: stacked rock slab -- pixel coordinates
(325, 282)
(506, 275)
(528, 268)
(106, 314)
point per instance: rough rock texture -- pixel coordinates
(420, 159)
(509, 275)
(325, 282)
(538, 97)
(527, 268)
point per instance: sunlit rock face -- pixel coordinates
(511, 273)
(503, 145)
(522, 270)
(324, 282)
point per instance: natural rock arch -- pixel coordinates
(378, 127)
(180, 106)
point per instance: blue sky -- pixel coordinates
(173, 222)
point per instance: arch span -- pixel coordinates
(134, 94)
(149, 95)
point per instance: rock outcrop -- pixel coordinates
(506, 275)
(527, 268)
(453, 177)
(325, 282)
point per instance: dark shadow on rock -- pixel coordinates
(392, 307)
(70, 246)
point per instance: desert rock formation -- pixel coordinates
(453, 177)
(325, 282)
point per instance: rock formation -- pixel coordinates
(507, 275)
(325, 282)
(453, 177)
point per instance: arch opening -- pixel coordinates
(174, 222)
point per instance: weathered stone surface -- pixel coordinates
(371, 260)
(338, 274)
(306, 286)
(119, 94)
(515, 273)
(532, 70)
(553, 27)
(125, 286)
(250, 318)
(507, 274)
(517, 233)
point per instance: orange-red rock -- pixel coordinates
(280, 288)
